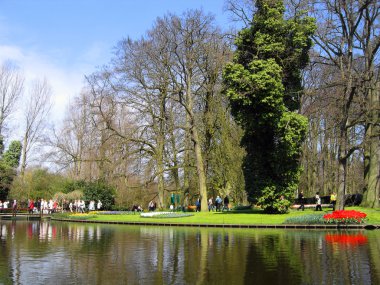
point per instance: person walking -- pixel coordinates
(226, 202)
(301, 200)
(14, 208)
(318, 207)
(333, 200)
(218, 203)
(198, 205)
(30, 206)
(99, 205)
(210, 205)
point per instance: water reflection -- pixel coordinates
(64, 253)
(348, 239)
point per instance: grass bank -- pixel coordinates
(251, 217)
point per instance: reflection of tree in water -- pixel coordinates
(305, 257)
(271, 259)
(107, 254)
(4, 256)
(88, 251)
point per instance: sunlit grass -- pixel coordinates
(253, 217)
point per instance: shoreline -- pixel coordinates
(242, 226)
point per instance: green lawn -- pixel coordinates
(254, 217)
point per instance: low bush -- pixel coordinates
(242, 208)
(120, 208)
(310, 219)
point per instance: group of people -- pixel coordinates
(137, 208)
(5, 205)
(79, 206)
(42, 205)
(318, 201)
(219, 205)
(52, 206)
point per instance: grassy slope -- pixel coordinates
(248, 217)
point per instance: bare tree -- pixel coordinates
(11, 88)
(38, 105)
(344, 34)
(72, 140)
(369, 39)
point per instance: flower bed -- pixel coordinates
(117, 213)
(160, 215)
(308, 219)
(81, 216)
(345, 217)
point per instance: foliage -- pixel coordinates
(263, 84)
(224, 155)
(308, 219)
(40, 183)
(99, 190)
(271, 203)
(11, 157)
(37, 183)
(8, 165)
(75, 195)
(7, 175)
(73, 185)
(242, 208)
(345, 217)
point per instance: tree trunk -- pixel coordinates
(198, 151)
(372, 153)
(342, 183)
(24, 154)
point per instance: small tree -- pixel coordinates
(8, 165)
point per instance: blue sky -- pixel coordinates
(62, 40)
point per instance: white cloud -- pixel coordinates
(65, 83)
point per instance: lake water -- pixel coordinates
(75, 253)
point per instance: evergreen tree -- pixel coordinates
(11, 157)
(263, 84)
(8, 165)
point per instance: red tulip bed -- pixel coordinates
(345, 217)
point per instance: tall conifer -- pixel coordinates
(263, 84)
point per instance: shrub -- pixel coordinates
(242, 208)
(121, 208)
(272, 202)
